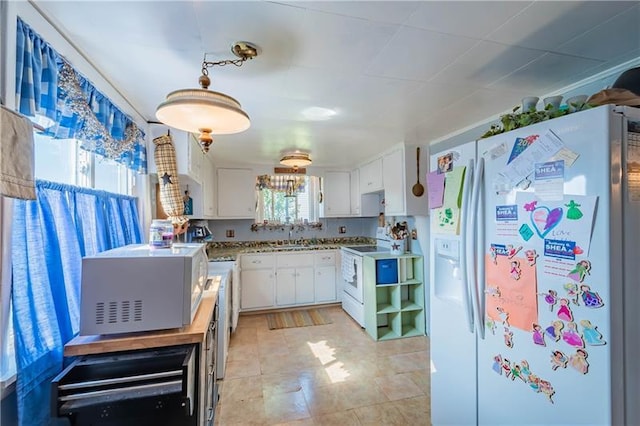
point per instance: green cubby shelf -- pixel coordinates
(395, 310)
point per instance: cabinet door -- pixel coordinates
(304, 285)
(337, 194)
(208, 193)
(371, 177)
(325, 284)
(189, 155)
(236, 193)
(393, 176)
(355, 192)
(257, 288)
(286, 286)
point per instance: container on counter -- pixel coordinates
(160, 234)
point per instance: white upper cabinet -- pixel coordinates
(399, 176)
(236, 193)
(371, 176)
(336, 195)
(355, 192)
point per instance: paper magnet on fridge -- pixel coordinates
(531, 256)
(564, 312)
(580, 271)
(550, 297)
(512, 251)
(558, 360)
(547, 389)
(555, 330)
(525, 372)
(515, 269)
(591, 336)
(538, 335)
(572, 292)
(490, 324)
(508, 338)
(497, 364)
(493, 291)
(590, 298)
(506, 367)
(579, 361)
(571, 336)
(503, 315)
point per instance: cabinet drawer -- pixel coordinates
(325, 258)
(257, 261)
(294, 260)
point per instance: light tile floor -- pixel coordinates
(332, 374)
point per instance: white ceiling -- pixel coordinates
(393, 71)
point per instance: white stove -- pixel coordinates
(353, 296)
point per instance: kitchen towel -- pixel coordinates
(348, 267)
(17, 160)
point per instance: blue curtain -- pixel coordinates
(50, 236)
(38, 93)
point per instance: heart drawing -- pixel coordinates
(544, 220)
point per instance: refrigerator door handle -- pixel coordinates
(471, 253)
(465, 214)
(480, 258)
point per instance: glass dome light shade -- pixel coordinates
(296, 160)
(193, 110)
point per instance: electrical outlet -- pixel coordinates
(231, 233)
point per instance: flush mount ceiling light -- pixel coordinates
(295, 160)
(204, 111)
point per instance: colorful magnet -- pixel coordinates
(525, 372)
(520, 145)
(550, 297)
(490, 324)
(508, 337)
(530, 206)
(564, 312)
(547, 389)
(538, 335)
(512, 251)
(571, 336)
(561, 249)
(558, 360)
(577, 250)
(525, 232)
(515, 372)
(493, 291)
(503, 315)
(445, 163)
(544, 219)
(506, 367)
(573, 213)
(572, 292)
(579, 361)
(515, 269)
(497, 364)
(555, 330)
(591, 336)
(494, 254)
(582, 269)
(507, 213)
(534, 382)
(531, 256)
(590, 298)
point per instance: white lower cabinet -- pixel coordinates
(257, 281)
(288, 279)
(325, 284)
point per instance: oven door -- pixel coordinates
(354, 287)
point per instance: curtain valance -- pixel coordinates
(281, 182)
(67, 104)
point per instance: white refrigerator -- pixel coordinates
(535, 274)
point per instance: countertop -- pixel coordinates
(193, 333)
(219, 252)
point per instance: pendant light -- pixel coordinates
(204, 111)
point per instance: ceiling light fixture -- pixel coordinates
(295, 160)
(204, 111)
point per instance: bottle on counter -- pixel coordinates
(160, 234)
